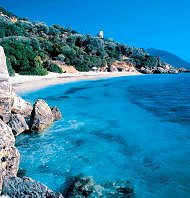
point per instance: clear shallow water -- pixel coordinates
(128, 128)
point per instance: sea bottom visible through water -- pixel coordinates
(133, 129)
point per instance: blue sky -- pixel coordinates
(162, 24)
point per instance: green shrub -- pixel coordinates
(53, 31)
(21, 56)
(59, 27)
(60, 57)
(41, 28)
(52, 67)
(10, 69)
(9, 29)
(70, 55)
(35, 71)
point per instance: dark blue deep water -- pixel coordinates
(130, 128)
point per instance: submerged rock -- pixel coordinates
(18, 124)
(119, 189)
(84, 186)
(41, 116)
(21, 106)
(56, 113)
(78, 186)
(26, 187)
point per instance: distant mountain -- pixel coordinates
(169, 58)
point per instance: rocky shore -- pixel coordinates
(18, 116)
(163, 68)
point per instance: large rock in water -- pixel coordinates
(9, 155)
(21, 106)
(26, 187)
(5, 88)
(41, 116)
(56, 113)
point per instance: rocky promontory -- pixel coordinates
(162, 68)
(18, 116)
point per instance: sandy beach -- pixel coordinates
(23, 83)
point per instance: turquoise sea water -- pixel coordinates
(130, 128)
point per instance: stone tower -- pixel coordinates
(101, 34)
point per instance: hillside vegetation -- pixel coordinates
(31, 47)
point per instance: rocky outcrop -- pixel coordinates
(18, 124)
(123, 66)
(56, 113)
(26, 187)
(173, 71)
(183, 70)
(14, 111)
(5, 88)
(36, 118)
(41, 116)
(146, 70)
(83, 186)
(20, 106)
(162, 69)
(9, 155)
(119, 66)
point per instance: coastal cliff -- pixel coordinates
(9, 155)
(10, 184)
(6, 94)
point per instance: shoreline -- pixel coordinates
(25, 83)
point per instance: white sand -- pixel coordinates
(30, 83)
